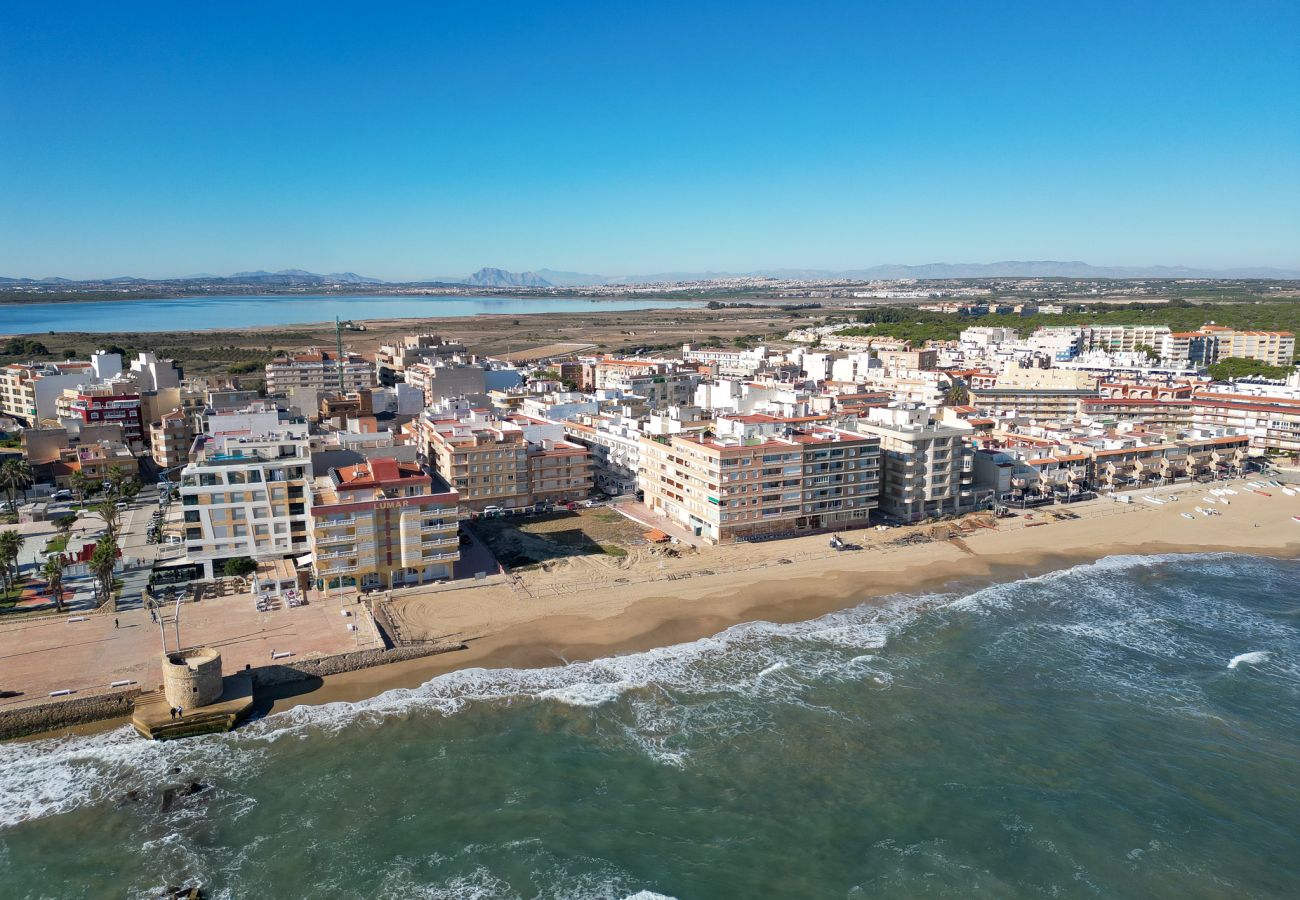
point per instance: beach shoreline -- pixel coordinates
(788, 581)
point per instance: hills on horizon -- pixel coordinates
(552, 278)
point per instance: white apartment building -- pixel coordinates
(927, 468)
(319, 370)
(439, 381)
(727, 361)
(615, 445)
(1123, 338)
(247, 496)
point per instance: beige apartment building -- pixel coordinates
(927, 467)
(382, 524)
(30, 391)
(1275, 348)
(319, 370)
(247, 496)
(505, 462)
(170, 439)
(761, 475)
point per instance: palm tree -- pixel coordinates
(80, 483)
(10, 543)
(15, 476)
(117, 477)
(53, 572)
(102, 564)
(109, 512)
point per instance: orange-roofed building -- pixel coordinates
(382, 524)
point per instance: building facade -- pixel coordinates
(247, 496)
(319, 370)
(927, 467)
(759, 477)
(382, 524)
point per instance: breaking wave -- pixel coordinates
(669, 694)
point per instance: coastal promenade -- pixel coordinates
(86, 653)
(583, 607)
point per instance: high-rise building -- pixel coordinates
(247, 496)
(384, 524)
(927, 467)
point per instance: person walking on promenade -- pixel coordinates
(115, 623)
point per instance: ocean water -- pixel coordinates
(193, 313)
(1128, 728)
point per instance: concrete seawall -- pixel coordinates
(66, 712)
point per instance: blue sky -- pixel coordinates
(620, 138)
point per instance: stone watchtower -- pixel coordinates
(192, 678)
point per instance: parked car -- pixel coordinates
(491, 510)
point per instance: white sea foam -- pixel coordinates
(1254, 658)
(670, 691)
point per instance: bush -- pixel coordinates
(239, 567)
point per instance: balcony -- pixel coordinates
(323, 540)
(335, 570)
(337, 554)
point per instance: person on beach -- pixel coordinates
(115, 623)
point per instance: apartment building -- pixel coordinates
(95, 460)
(170, 439)
(319, 370)
(103, 404)
(247, 496)
(1123, 338)
(381, 523)
(483, 457)
(30, 392)
(726, 361)
(1138, 461)
(502, 461)
(393, 359)
(760, 475)
(614, 442)
(1271, 423)
(440, 381)
(927, 467)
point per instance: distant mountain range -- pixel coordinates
(544, 278)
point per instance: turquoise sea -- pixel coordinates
(1127, 728)
(194, 313)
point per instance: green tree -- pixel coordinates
(111, 515)
(117, 476)
(958, 395)
(53, 572)
(1235, 367)
(80, 483)
(239, 567)
(10, 543)
(131, 488)
(102, 563)
(15, 476)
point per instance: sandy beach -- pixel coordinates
(585, 608)
(580, 609)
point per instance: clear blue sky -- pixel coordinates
(620, 138)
